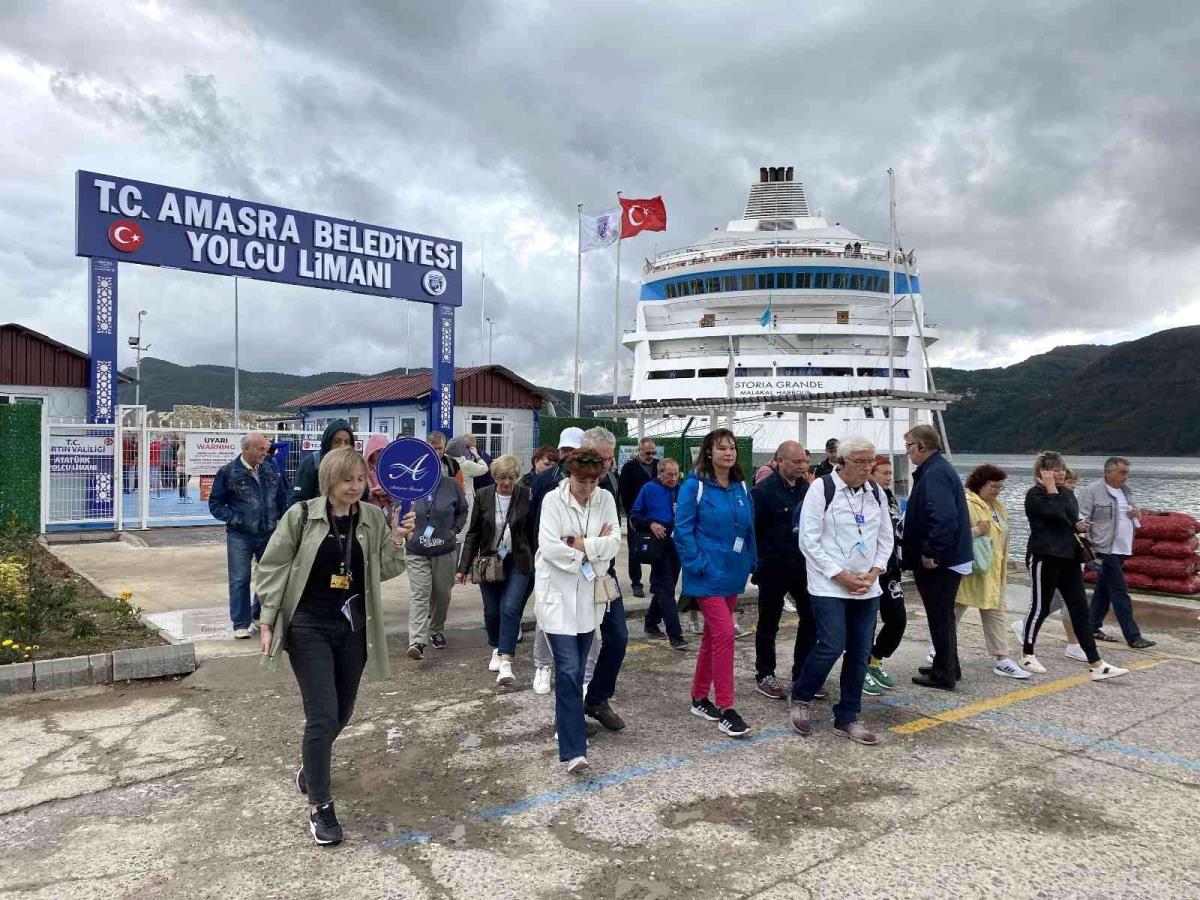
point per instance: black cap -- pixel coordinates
(831, 444)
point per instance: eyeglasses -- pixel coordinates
(908, 445)
(863, 463)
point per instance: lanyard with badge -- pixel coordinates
(860, 517)
(738, 541)
(344, 577)
(586, 568)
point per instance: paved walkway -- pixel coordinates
(450, 788)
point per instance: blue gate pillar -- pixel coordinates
(102, 340)
(441, 397)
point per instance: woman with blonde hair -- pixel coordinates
(496, 553)
(319, 584)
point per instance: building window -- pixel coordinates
(766, 281)
(729, 283)
(662, 374)
(821, 280)
(749, 282)
(714, 373)
(493, 433)
(408, 427)
(712, 284)
(751, 372)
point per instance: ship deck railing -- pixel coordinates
(687, 258)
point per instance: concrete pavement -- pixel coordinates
(447, 787)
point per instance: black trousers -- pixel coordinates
(1050, 574)
(327, 659)
(938, 588)
(775, 580)
(893, 615)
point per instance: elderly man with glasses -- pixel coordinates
(846, 537)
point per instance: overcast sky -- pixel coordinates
(1045, 157)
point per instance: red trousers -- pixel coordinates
(714, 663)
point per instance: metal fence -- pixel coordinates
(129, 475)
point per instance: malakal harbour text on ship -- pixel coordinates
(780, 302)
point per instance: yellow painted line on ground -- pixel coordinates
(993, 703)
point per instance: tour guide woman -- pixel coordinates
(714, 534)
(319, 585)
(578, 535)
(498, 529)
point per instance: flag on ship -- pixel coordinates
(642, 215)
(600, 230)
(765, 319)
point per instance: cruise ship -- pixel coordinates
(778, 303)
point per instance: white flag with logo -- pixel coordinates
(600, 230)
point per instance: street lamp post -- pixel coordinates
(491, 324)
(136, 344)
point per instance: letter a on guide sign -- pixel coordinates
(409, 470)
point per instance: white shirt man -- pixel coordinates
(853, 534)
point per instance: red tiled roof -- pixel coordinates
(383, 389)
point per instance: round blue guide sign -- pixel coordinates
(409, 470)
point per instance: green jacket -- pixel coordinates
(283, 572)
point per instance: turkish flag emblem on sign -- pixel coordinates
(642, 215)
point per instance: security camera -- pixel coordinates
(132, 341)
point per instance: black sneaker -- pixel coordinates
(638, 591)
(1141, 644)
(301, 781)
(680, 644)
(1101, 635)
(324, 826)
(732, 724)
(655, 634)
(438, 640)
(603, 713)
(706, 710)
(416, 651)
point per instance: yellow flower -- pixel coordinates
(7, 642)
(126, 594)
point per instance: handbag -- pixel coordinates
(982, 553)
(1087, 552)
(606, 590)
(648, 548)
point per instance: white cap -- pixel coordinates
(570, 437)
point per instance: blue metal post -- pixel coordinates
(102, 340)
(441, 396)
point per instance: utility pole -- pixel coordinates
(237, 398)
(136, 344)
(491, 323)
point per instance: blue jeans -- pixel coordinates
(1111, 588)
(502, 603)
(570, 653)
(664, 574)
(614, 638)
(843, 626)
(240, 548)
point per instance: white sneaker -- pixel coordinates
(494, 663)
(1006, 668)
(1074, 651)
(241, 634)
(541, 680)
(506, 672)
(1103, 671)
(578, 766)
(738, 630)
(1030, 663)
(789, 604)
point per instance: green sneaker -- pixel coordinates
(871, 687)
(882, 678)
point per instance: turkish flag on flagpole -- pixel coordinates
(642, 215)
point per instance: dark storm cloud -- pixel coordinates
(1044, 152)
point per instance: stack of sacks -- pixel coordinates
(1164, 555)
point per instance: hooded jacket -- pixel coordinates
(379, 497)
(307, 486)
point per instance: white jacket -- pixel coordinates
(564, 601)
(833, 541)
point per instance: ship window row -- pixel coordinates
(780, 372)
(777, 281)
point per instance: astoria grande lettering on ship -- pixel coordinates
(151, 224)
(751, 387)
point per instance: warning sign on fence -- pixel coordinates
(78, 455)
(206, 453)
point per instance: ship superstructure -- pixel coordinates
(780, 302)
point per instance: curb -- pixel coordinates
(97, 668)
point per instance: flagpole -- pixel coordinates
(617, 313)
(578, 301)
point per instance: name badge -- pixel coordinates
(588, 572)
(860, 518)
(738, 543)
(428, 533)
(860, 546)
(341, 582)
